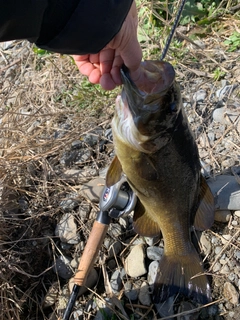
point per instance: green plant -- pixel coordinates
(218, 74)
(233, 42)
(198, 10)
(40, 52)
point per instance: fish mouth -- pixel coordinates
(145, 102)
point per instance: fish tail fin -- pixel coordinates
(181, 275)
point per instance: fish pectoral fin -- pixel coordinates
(142, 222)
(114, 172)
(181, 275)
(204, 217)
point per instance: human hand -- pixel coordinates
(104, 67)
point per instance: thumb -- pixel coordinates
(132, 55)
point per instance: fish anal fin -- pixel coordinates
(142, 222)
(204, 217)
(114, 172)
(181, 275)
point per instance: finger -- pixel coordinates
(94, 58)
(86, 68)
(107, 82)
(79, 58)
(95, 76)
(115, 72)
(106, 57)
(132, 61)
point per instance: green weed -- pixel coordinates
(218, 74)
(233, 42)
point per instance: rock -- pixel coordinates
(66, 229)
(154, 253)
(91, 139)
(211, 136)
(217, 266)
(63, 267)
(230, 293)
(123, 221)
(200, 95)
(131, 290)
(91, 281)
(237, 213)
(237, 255)
(90, 305)
(105, 309)
(226, 191)
(116, 281)
(225, 269)
(6, 45)
(115, 230)
(93, 189)
(152, 272)
(200, 44)
(226, 238)
(144, 296)
(84, 210)
(70, 202)
(75, 156)
(112, 264)
(206, 169)
(135, 262)
(218, 249)
(114, 249)
(222, 216)
(138, 241)
(75, 262)
(75, 176)
(152, 241)
(165, 309)
(77, 314)
(232, 277)
(226, 91)
(51, 296)
(206, 244)
(226, 116)
(234, 223)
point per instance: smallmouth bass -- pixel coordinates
(156, 151)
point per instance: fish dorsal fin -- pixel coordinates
(114, 172)
(142, 222)
(205, 214)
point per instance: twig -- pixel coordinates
(10, 65)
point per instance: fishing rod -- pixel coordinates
(175, 24)
(115, 202)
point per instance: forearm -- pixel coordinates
(72, 27)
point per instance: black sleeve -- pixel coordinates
(64, 26)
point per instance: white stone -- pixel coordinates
(230, 293)
(135, 262)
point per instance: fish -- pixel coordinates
(155, 149)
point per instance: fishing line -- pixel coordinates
(169, 39)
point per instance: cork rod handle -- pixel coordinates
(90, 252)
